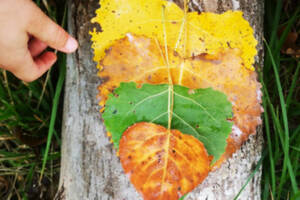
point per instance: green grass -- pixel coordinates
(280, 78)
(31, 115)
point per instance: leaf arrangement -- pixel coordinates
(179, 93)
(202, 114)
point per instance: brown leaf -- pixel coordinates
(162, 164)
(289, 46)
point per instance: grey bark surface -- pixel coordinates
(90, 169)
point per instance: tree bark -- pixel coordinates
(90, 168)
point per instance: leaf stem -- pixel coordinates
(185, 28)
(170, 81)
(184, 25)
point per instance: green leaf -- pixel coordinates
(202, 113)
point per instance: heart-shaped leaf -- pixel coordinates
(162, 164)
(202, 113)
(154, 41)
(141, 60)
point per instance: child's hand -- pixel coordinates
(25, 32)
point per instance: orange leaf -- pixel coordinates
(162, 164)
(140, 59)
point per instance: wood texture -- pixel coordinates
(90, 168)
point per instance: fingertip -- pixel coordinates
(70, 46)
(43, 28)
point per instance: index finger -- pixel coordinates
(43, 28)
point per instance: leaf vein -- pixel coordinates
(146, 99)
(198, 104)
(159, 116)
(197, 133)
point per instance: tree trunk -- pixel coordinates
(90, 168)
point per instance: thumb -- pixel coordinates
(43, 28)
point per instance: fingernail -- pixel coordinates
(71, 44)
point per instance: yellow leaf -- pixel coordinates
(205, 33)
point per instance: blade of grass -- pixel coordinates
(286, 164)
(296, 148)
(293, 86)
(265, 186)
(29, 175)
(296, 152)
(58, 90)
(258, 165)
(22, 114)
(296, 196)
(281, 97)
(57, 138)
(44, 87)
(279, 131)
(269, 143)
(7, 86)
(49, 71)
(295, 133)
